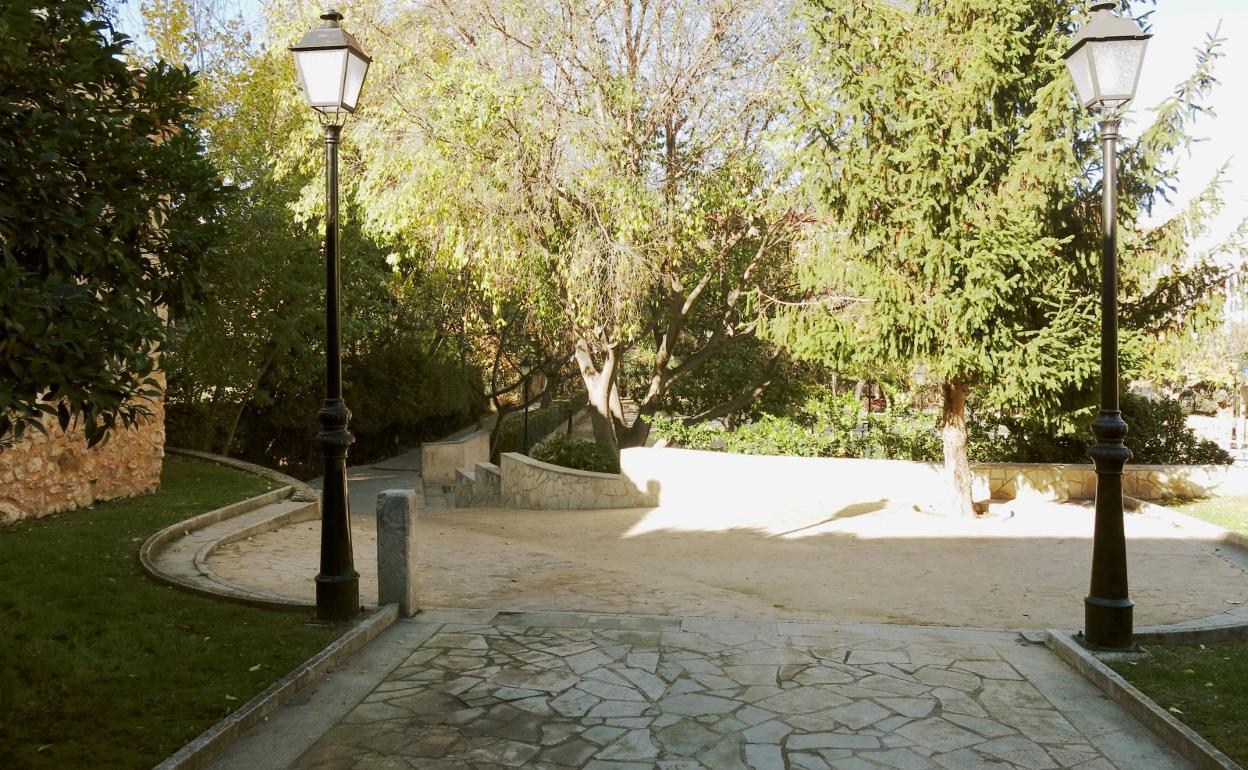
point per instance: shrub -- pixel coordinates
(1159, 434)
(580, 454)
(825, 428)
(541, 423)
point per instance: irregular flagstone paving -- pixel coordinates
(565, 690)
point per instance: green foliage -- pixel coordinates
(1227, 512)
(825, 427)
(581, 454)
(246, 376)
(105, 667)
(1158, 434)
(541, 423)
(598, 194)
(955, 185)
(1202, 685)
(109, 217)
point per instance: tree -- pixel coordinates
(108, 218)
(956, 189)
(246, 374)
(603, 165)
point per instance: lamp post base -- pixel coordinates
(1108, 623)
(337, 597)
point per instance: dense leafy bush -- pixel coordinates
(1159, 434)
(825, 428)
(109, 217)
(561, 449)
(541, 423)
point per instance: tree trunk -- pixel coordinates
(599, 384)
(957, 461)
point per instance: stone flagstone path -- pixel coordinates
(480, 689)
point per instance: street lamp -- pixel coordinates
(1104, 61)
(331, 68)
(525, 367)
(919, 375)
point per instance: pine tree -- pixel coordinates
(955, 188)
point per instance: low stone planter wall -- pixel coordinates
(529, 483)
(650, 476)
(478, 487)
(440, 459)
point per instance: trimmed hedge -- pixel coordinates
(580, 454)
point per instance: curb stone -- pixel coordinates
(291, 490)
(200, 751)
(1200, 752)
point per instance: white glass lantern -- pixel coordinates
(919, 375)
(1106, 57)
(331, 66)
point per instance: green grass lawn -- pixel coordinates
(1227, 512)
(101, 666)
(1204, 686)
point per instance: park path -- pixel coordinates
(482, 689)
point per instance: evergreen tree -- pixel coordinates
(956, 188)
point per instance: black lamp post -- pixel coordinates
(525, 368)
(331, 68)
(1104, 60)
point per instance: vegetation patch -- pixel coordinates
(1227, 512)
(1202, 686)
(104, 666)
(576, 453)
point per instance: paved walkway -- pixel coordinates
(853, 562)
(479, 689)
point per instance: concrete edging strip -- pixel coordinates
(1203, 754)
(199, 752)
(292, 489)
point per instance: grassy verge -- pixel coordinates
(1204, 686)
(1227, 512)
(100, 666)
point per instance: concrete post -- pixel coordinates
(396, 549)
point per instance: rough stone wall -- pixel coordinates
(43, 475)
(529, 483)
(478, 487)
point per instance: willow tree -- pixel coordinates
(954, 184)
(603, 166)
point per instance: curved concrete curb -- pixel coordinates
(293, 502)
(199, 752)
(1203, 754)
(1231, 625)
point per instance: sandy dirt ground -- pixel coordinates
(1027, 567)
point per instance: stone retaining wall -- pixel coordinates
(478, 487)
(41, 475)
(650, 476)
(529, 483)
(440, 459)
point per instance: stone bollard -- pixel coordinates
(396, 549)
